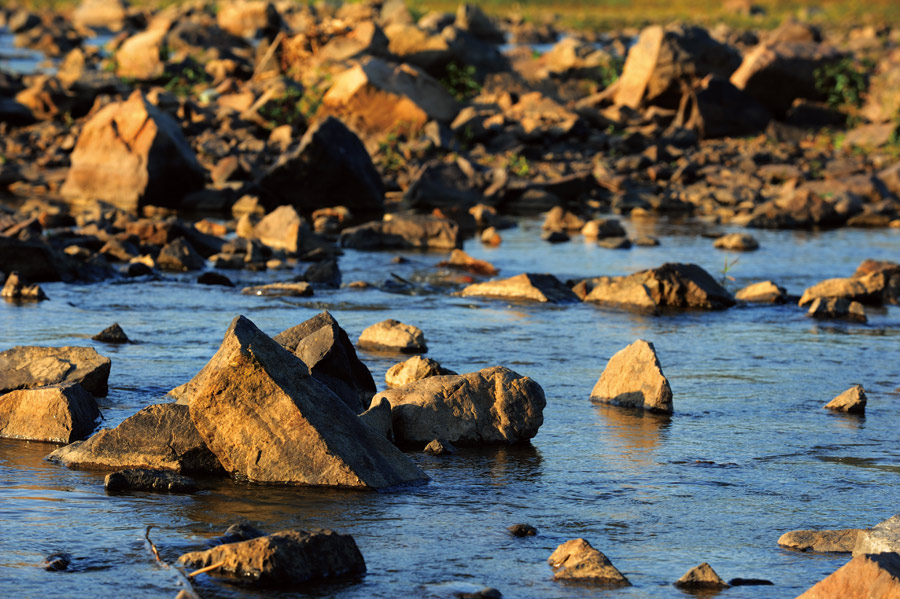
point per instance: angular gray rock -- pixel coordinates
(577, 560)
(393, 336)
(884, 537)
(543, 288)
(30, 366)
(633, 378)
(58, 413)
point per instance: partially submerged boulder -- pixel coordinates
(701, 577)
(142, 479)
(29, 366)
(111, 334)
(864, 577)
(633, 378)
(404, 231)
(824, 541)
(577, 560)
(837, 308)
(16, 289)
(412, 370)
(741, 242)
(526, 286)
(58, 413)
(871, 288)
(393, 336)
(492, 406)
(884, 537)
(762, 292)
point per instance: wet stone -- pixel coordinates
(156, 481)
(111, 334)
(522, 530)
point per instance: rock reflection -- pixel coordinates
(636, 433)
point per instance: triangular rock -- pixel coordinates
(526, 286)
(634, 378)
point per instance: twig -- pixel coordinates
(270, 51)
(206, 569)
(188, 591)
(152, 546)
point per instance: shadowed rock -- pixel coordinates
(543, 288)
(701, 577)
(672, 285)
(825, 541)
(29, 366)
(578, 560)
(154, 481)
(404, 231)
(111, 334)
(837, 308)
(58, 413)
(633, 378)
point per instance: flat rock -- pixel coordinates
(268, 420)
(578, 560)
(633, 378)
(884, 537)
(412, 370)
(111, 334)
(852, 400)
(462, 261)
(30, 366)
(58, 413)
(701, 577)
(763, 292)
(298, 289)
(393, 336)
(741, 242)
(824, 541)
(285, 558)
(404, 231)
(155, 481)
(544, 288)
(864, 577)
(492, 406)
(159, 437)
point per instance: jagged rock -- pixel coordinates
(522, 530)
(439, 447)
(57, 413)
(16, 289)
(864, 577)
(701, 577)
(873, 288)
(741, 242)
(148, 480)
(30, 366)
(492, 406)
(268, 420)
(672, 285)
(411, 231)
(111, 334)
(837, 308)
(526, 286)
(284, 229)
(764, 292)
(378, 418)
(634, 378)
(852, 400)
(825, 541)
(299, 289)
(159, 437)
(412, 370)
(329, 354)
(578, 560)
(180, 256)
(884, 537)
(286, 558)
(394, 336)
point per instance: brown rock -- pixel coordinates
(825, 541)
(701, 577)
(764, 292)
(522, 530)
(837, 308)
(16, 289)
(578, 560)
(111, 334)
(864, 577)
(560, 219)
(378, 418)
(852, 400)
(602, 228)
(633, 378)
(741, 242)
(140, 56)
(247, 18)
(393, 336)
(180, 256)
(284, 229)
(418, 47)
(406, 231)
(526, 286)
(154, 481)
(58, 413)
(300, 289)
(412, 370)
(29, 366)
(108, 14)
(439, 447)
(714, 107)
(863, 290)
(672, 285)
(463, 261)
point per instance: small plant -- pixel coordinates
(609, 73)
(726, 269)
(518, 165)
(182, 79)
(285, 108)
(844, 83)
(390, 154)
(459, 80)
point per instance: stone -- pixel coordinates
(494, 406)
(393, 336)
(462, 261)
(412, 370)
(863, 577)
(672, 285)
(544, 288)
(404, 231)
(824, 541)
(837, 308)
(111, 334)
(237, 532)
(601, 228)
(132, 154)
(16, 289)
(522, 530)
(140, 56)
(330, 162)
(633, 378)
(872, 289)
(57, 413)
(283, 559)
(439, 447)
(472, 19)
(741, 242)
(248, 18)
(714, 108)
(159, 437)
(882, 102)
(555, 236)
(154, 481)
(284, 229)
(30, 366)
(701, 577)
(749, 582)
(852, 400)
(763, 292)
(214, 278)
(56, 562)
(299, 289)
(268, 420)
(329, 354)
(418, 47)
(560, 219)
(105, 14)
(378, 418)
(884, 537)
(326, 273)
(615, 243)
(578, 560)
(180, 256)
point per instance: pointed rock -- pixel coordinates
(852, 400)
(543, 288)
(111, 334)
(393, 336)
(59, 413)
(578, 560)
(16, 289)
(634, 378)
(29, 366)
(864, 577)
(701, 577)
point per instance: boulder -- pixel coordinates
(16, 289)
(701, 577)
(141, 56)
(404, 231)
(284, 229)
(863, 577)
(100, 14)
(492, 406)
(111, 334)
(741, 242)
(672, 285)
(29, 366)
(330, 163)
(884, 537)
(601, 228)
(159, 437)
(248, 18)
(866, 290)
(829, 308)
(633, 378)
(57, 413)
(852, 400)
(131, 154)
(180, 256)
(763, 292)
(284, 559)
(714, 108)
(418, 47)
(796, 208)
(299, 289)
(522, 530)
(329, 354)
(412, 370)
(365, 38)
(577, 560)
(526, 286)
(154, 481)
(378, 418)
(393, 336)
(268, 420)
(560, 219)
(824, 541)
(536, 117)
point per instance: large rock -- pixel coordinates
(701, 577)
(268, 420)
(404, 231)
(526, 286)
(412, 370)
(153, 481)
(283, 559)
(247, 18)
(106, 14)
(884, 537)
(284, 229)
(864, 577)
(331, 358)
(159, 437)
(824, 541)
(393, 336)
(837, 308)
(763, 292)
(714, 107)
(868, 289)
(131, 154)
(141, 56)
(492, 406)
(672, 285)
(330, 166)
(577, 560)
(30, 366)
(59, 413)
(633, 378)
(418, 47)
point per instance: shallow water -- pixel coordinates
(748, 454)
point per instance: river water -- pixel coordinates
(748, 454)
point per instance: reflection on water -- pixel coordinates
(635, 432)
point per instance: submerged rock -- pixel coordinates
(111, 334)
(30, 366)
(393, 336)
(824, 541)
(526, 286)
(299, 289)
(762, 292)
(701, 577)
(884, 537)
(58, 413)
(522, 530)
(412, 370)
(852, 400)
(148, 480)
(633, 378)
(440, 447)
(837, 308)
(16, 289)
(866, 576)
(672, 285)
(741, 242)
(578, 560)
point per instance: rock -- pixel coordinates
(248, 18)
(330, 162)
(601, 228)
(559, 219)
(522, 530)
(864, 577)
(837, 308)
(672, 285)
(715, 108)
(412, 370)
(283, 559)
(154, 481)
(852, 400)
(30, 366)
(214, 278)
(491, 237)
(470, 18)
(111, 334)
(56, 562)
(741, 242)
(701, 577)
(300, 289)
(131, 154)
(378, 418)
(825, 541)
(329, 354)
(418, 47)
(764, 292)
(240, 531)
(57, 413)
(284, 229)
(884, 537)
(615, 243)
(485, 593)
(393, 336)
(555, 236)
(873, 288)
(634, 378)
(105, 14)
(159, 437)
(407, 231)
(463, 261)
(439, 447)
(749, 582)
(326, 273)
(492, 406)
(16, 289)
(180, 256)
(578, 560)
(883, 97)
(268, 420)
(15, 113)
(526, 286)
